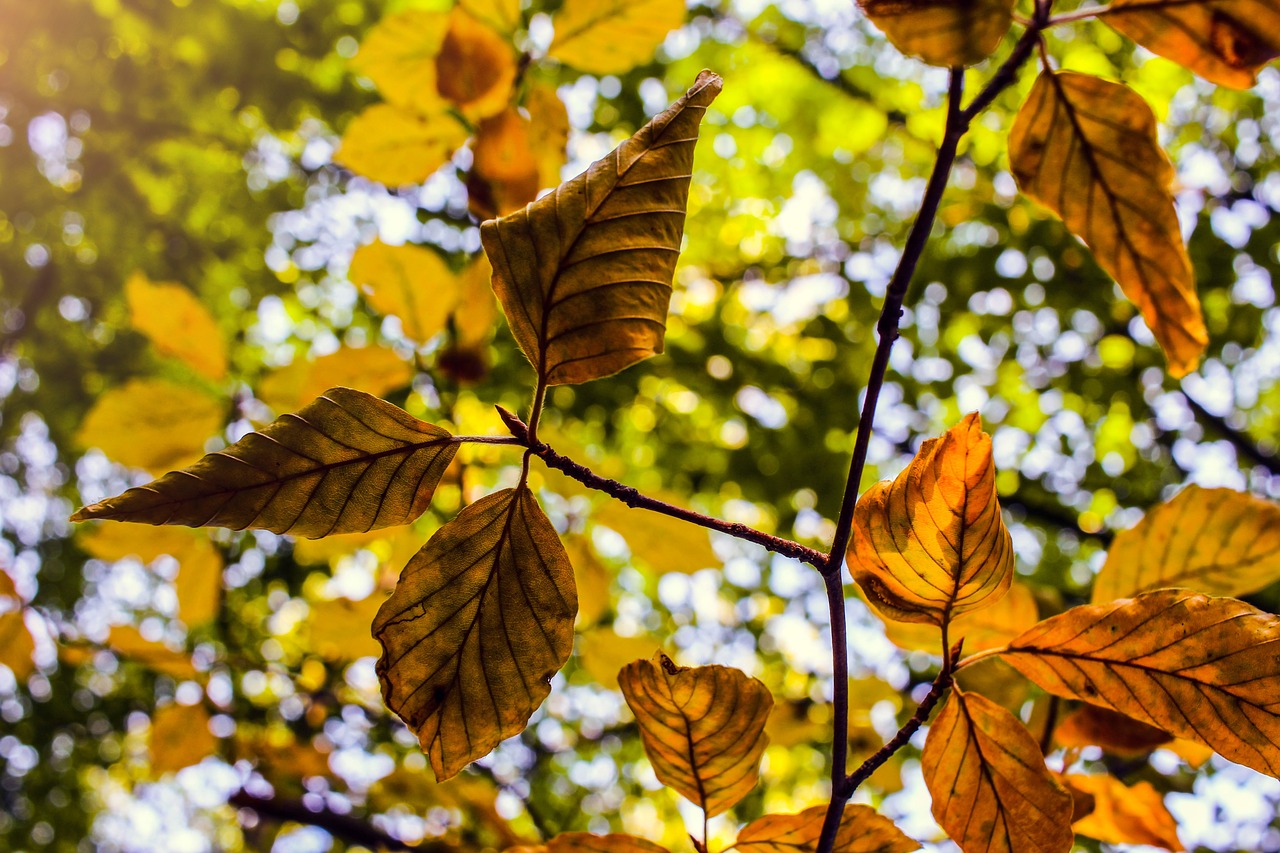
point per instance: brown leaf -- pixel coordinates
(942, 32)
(862, 830)
(480, 621)
(991, 790)
(1199, 667)
(180, 737)
(1090, 725)
(1086, 149)
(702, 727)
(584, 273)
(347, 462)
(585, 842)
(931, 544)
(504, 174)
(1216, 541)
(1125, 815)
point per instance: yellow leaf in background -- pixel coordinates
(199, 580)
(702, 727)
(392, 146)
(340, 628)
(504, 174)
(797, 721)
(1190, 751)
(988, 628)
(612, 36)
(408, 282)
(1087, 149)
(991, 790)
(277, 755)
(1224, 41)
(1215, 541)
(177, 323)
(199, 583)
(7, 588)
(593, 582)
(316, 552)
(180, 737)
(152, 424)
(1198, 667)
(1125, 815)
(16, 644)
(667, 544)
(548, 132)
(931, 545)
(374, 370)
(584, 273)
(476, 313)
(942, 32)
(476, 67)
(585, 842)
(1090, 725)
(449, 667)
(398, 54)
(126, 642)
(603, 653)
(862, 830)
(501, 15)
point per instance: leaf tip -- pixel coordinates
(707, 79)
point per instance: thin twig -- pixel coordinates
(350, 829)
(899, 740)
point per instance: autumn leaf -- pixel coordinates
(398, 54)
(199, 580)
(1086, 149)
(702, 727)
(548, 132)
(393, 146)
(942, 32)
(340, 627)
(504, 174)
(603, 652)
(1199, 667)
(988, 628)
(375, 370)
(612, 36)
(476, 67)
(502, 15)
(7, 587)
(347, 462)
(585, 842)
(1090, 725)
(991, 790)
(180, 737)
(408, 282)
(480, 621)
(931, 545)
(476, 311)
(1125, 814)
(584, 273)
(152, 424)
(862, 830)
(593, 581)
(16, 644)
(1215, 541)
(1224, 41)
(177, 323)
(667, 544)
(125, 641)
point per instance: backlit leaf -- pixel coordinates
(1125, 815)
(375, 370)
(862, 830)
(1090, 725)
(1199, 667)
(1224, 41)
(177, 323)
(702, 727)
(476, 67)
(612, 36)
(1086, 149)
(480, 621)
(340, 627)
(399, 55)
(502, 15)
(931, 545)
(180, 737)
(347, 462)
(584, 273)
(199, 583)
(152, 424)
(408, 282)
(393, 146)
(548, 132)
(592, 580)
(988, 628)
(126, 642)
(16, 644)
(477, 311)
(504, 174)
(585, 842)
(942, 32)
(667, 544)
(7, 587)
(199, 580)
(991, 790)
(603, 653)
(1215, 541)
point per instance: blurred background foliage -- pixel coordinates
(215, 690)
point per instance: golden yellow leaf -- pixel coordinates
(399, 55)
(476, 67)
(504, 174)
(177, 323)
(862, 830)
(374, 370)
(991, 790)
(585, 842)
(180, 737)
(1199, 667)
(1125, 815)
(667, 544)
(1215, 541)
(612, 36)
(393, 146)
(1086, 148)
(942, 32)
(152, 424)
(1090, 725)
(1190, 751)
(1224, 41)
(16, 644)
(548, 132)
(502, 15)
(592, 580)
(797, 721)
(480, 621)
(199, 580)
(277, 755)
(931, 545)
(477, 311)
(988, 628)
(408, 282)
(584, 273)
(347, 462)
(199, 583)
(315, 552)
(126, 642)
(340, 627)
(603, 653)
(702, 727)
(7, 587)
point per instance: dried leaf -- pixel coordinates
(991, 790)
(603, 653)
(942, 32)
(398, 54)
(408, 282)
(1200, 667)
(931, 545)
(584, 273)
(392, 146)
(475, 68)
(177, 323)
(374, 370)
(612, 36)
(1215, 541)
(16, 644)
(347, 462)
(1090, 725)
(152, 424)
(862, 830)
(702, 727)
(480, 621)
(1125, 815)
(1086, 149)
(180, 737)
(585, 842)
(667, 544)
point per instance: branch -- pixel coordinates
(350, 829)
(1245, 445)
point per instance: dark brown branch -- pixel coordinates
(352, 830)
(1245, 446)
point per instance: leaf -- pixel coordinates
(1086, 149)
(16, 644)
(375, 370)
(593, 583)
(392, 146)
(199, 583)
(477, 312)
(1090, 725)
(126, 642)
(988, 628)
(199, 580)
(991, 791)
(702, 727)
(180, 737)
(1224, 41)
(931, 545)
(612, 36)
(7, 587)
(152, 424)
(399, 55)
(584, 273)
(585, 842)
(667, 544)
(862, 830)
(602, 653)
(177, 323)
(548, 132)
(1215, 541)
(504, 175)
(1200, 667)
(408, 282)
(348, 462)
(480, 621)
(340, 627)
(942, 32)
(502, 15)
(475, 68)
(1125, 815)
